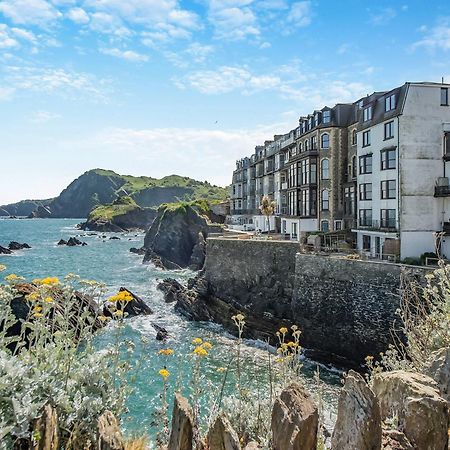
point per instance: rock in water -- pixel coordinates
(135, 307)
(170, 288)
(138, 251)
(73, 241)
(222, 436)
(62, 242)
(358, 424)
(181, 435)
(5, 251)
(13, 245)
(423, 415)
(438, 368)
(109, 434)
(295, 420)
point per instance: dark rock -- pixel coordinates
(138, 251)
(41, 212)
(5, 251)
(62, 242)
(73, 241)
(135, 307)
(161, 333)
(174, 237)
(170, 288)
(13, 245)
(114, 238)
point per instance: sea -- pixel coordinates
(110, 261)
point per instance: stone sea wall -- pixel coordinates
(344, 307)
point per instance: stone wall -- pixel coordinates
(344, 307)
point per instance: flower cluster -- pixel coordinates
(48, 281)
(201, 347)
(122, 296)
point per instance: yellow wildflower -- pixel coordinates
(32, 296)
(200, 351)
(121, 296)
(207, 345)
(283, 330)
(292, 344)
(48, 300)
(164, 373)
(49, 281)
(37, 315)
(221, 369)
(166, 351)
(118, 313)
(37, 308)
(2, 267)
(103, 318)
(369, 358)
(197, 341)
(13, 278)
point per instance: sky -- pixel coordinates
(156, 87)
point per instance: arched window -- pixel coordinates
(300, 147)
(324, 226)
(354, 138)
(325, 169)
(325, 140)
(305, 145)
(325, 200)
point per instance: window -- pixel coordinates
(313, 142)
(365, 164)
(388, 189)
(367, 114)
(338, 225)
(316, 119)
(349, 200)
(365, 217)
(325, 169)
(326, 117)
(389, 130)
(324, 226)
(300, 147)
(366, 242)
(306, 146)
(310, 123)
(304, 209)
(325, 140)
(354, 173)
(313, 170)
(365, 191)
(366, 138)
(325, 200)
(444, 96)
(354, 137)
(387, 218)
(389, 103)
(304, 126)
(447, 145)
(388, 159)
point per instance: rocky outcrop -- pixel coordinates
(414, 400)
(23, 208)
(137, 251)
(5, 251)
(170, 288)
(41, 212)
(358, 424)
(13, 245)
(71, 242)
(132, 308)
(438, 368)
(395, 440)
(176, 238)
(295, 420)
(109, 433)
(221, 436)
(182, 432)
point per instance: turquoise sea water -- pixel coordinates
(110, 261)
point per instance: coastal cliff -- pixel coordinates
(176, 238)
(102, 187)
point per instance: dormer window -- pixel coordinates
(360, 104)
(326, 117)
(367, 114)
(316, 119)
(389, 103)
(310, 123)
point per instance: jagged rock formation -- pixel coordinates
(13, 245)
(358, 424)
(221, 436)
(135, 307)
(123, 214)
(295, 420)
(71, 242)
(100, 187)
(182, 431)
(109, 433)
(5, 251)
(176, 238)
(422, 414)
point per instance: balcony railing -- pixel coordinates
(382, 225)
(442, 191)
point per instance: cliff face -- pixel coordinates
(177, 237)
(102, 187)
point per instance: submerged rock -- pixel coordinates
(422, 414)
(135, 307)
(62, 242)
(13, 245)
(161, 333)
(358, 424)
(295, 420)
(182, 431)
(138, 251)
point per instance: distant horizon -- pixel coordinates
(187, 87)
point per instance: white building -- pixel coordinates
(403, 193)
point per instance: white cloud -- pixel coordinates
(24, 34)
(129, 55)
(383, 17)
(44, 117)
(195, 53)
(436, 38)
(7, 41)
(300, 14)
(78, 15)
(68, 84)
(109, 24)
(33, 12)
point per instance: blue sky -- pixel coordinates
(154, 87)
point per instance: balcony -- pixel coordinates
(386, 225)
(442, 191)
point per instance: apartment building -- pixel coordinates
(379, 167)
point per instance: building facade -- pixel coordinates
(379, 167)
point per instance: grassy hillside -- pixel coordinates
(121, 206)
